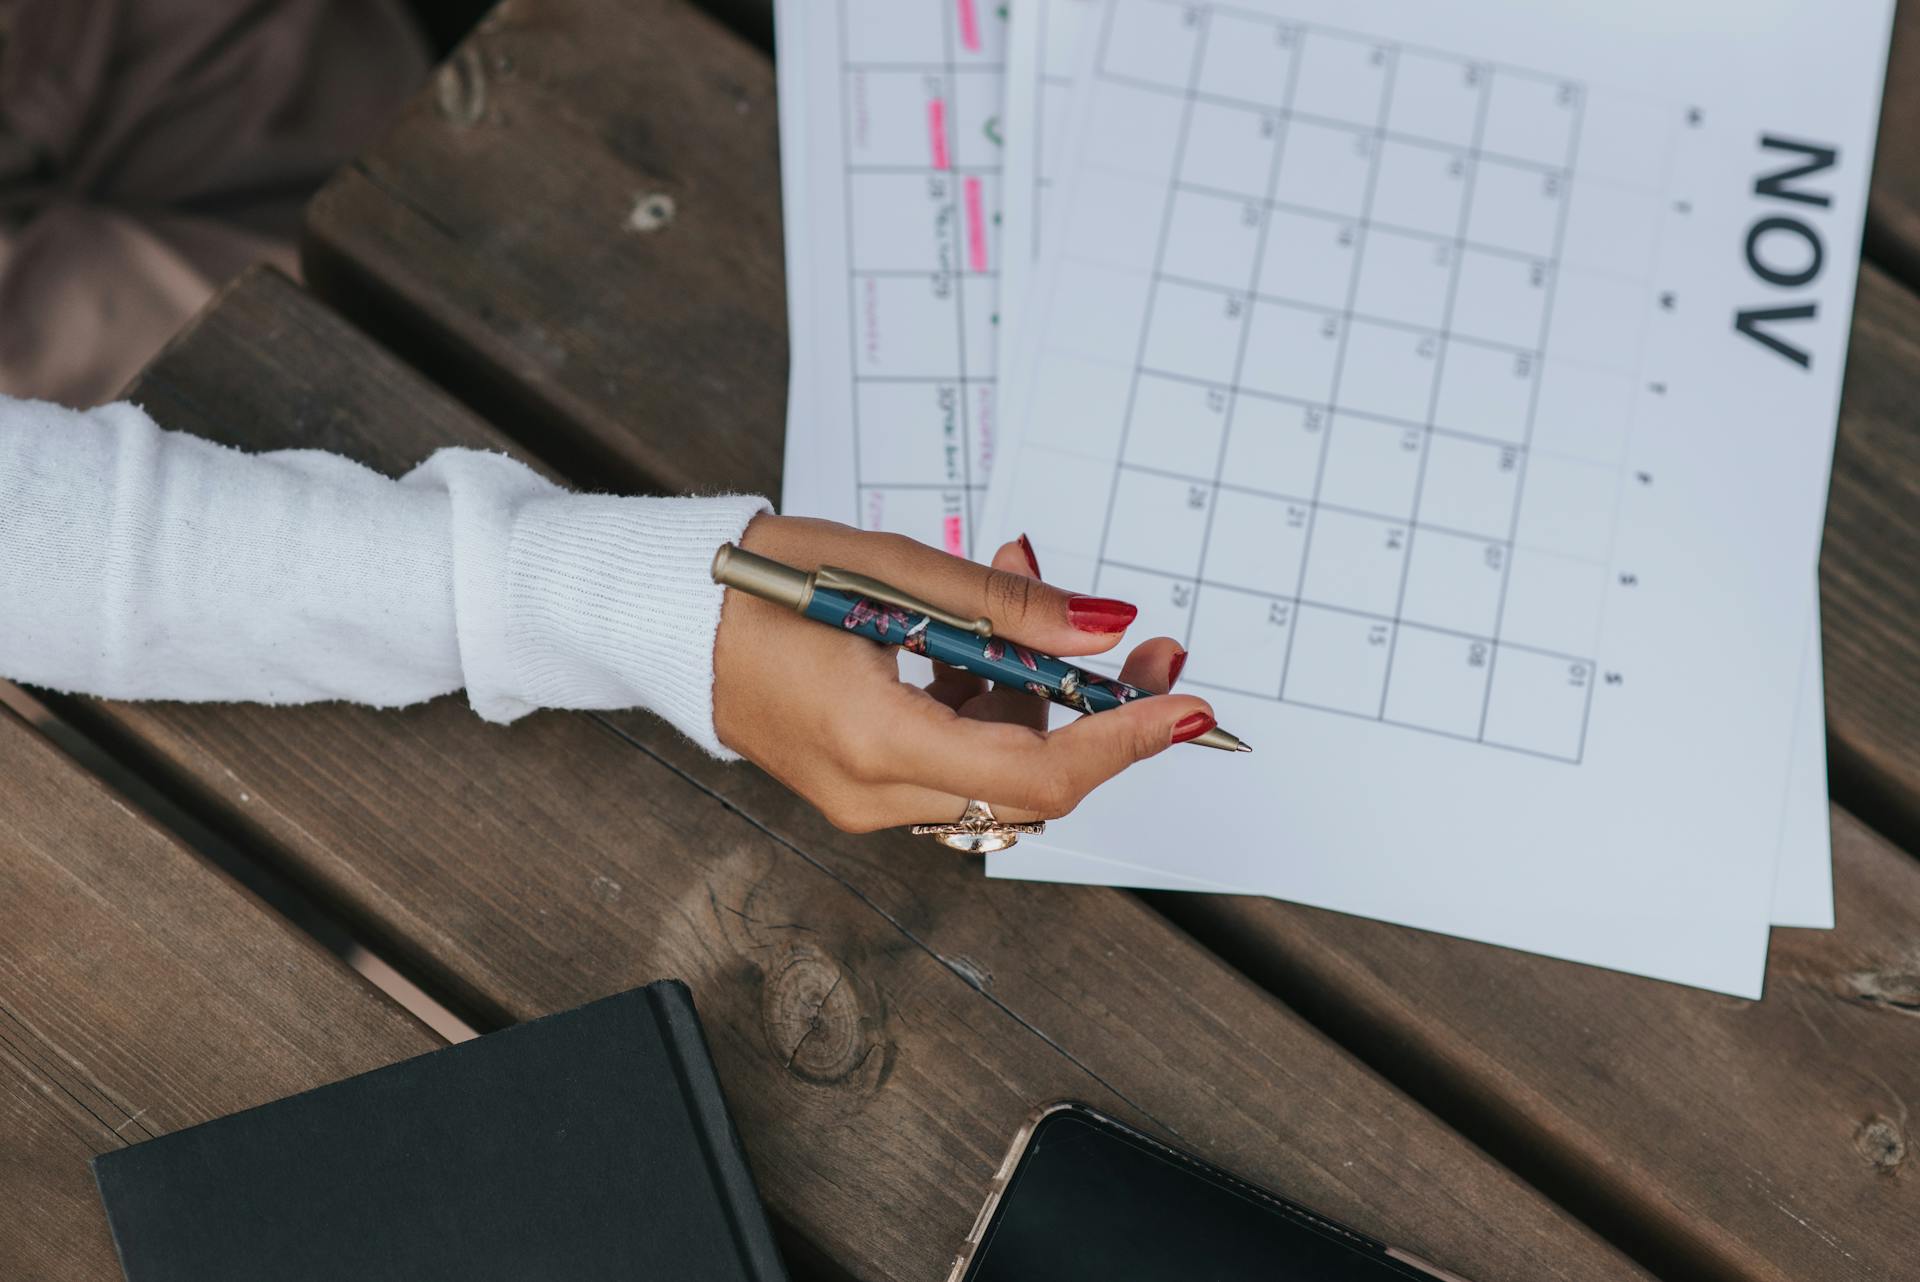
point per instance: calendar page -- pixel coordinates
(891, 130)
(1460, 386)
(1042, 63)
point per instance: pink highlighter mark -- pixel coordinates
(937, 131)
(976, 226)
(955, 544)
(969, 27)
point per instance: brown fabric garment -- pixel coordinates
(150, 149)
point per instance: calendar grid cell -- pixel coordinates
(1329, 549)
(1370, 416)
(1243, 590)
(1234, 487)
(1349, 33)
(1375, 224)
(1307, 117)
(1355, 314)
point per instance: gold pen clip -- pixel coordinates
(839, 580)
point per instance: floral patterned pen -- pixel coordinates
(870, 608)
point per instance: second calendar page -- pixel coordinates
(1431, 382)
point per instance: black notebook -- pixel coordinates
(588, 1145)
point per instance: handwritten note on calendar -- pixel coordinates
(1459, 385)
(893, 146)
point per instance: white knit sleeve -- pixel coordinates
(584, 600)
(142, 564)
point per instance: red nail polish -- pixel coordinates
(1099, 614)
(1033, 562)
(1177, 662)
(1192, 726)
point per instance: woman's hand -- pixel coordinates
(826, 713)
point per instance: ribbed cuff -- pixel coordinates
(611, 603)
(485, 491)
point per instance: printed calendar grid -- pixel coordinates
(1404, 637)
(962, 393)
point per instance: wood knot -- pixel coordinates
(651, 212)
(1881, 1142)
(971, 971)
(814, 1021)
(460, 88)
(1896, 987)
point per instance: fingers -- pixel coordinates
(1007, 704)
(1154, 665)
(955, 687)
(1045, 774)
(1022, 608)
(960, 689)
(871, 752)
(895, 806)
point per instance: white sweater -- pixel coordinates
(137, 563)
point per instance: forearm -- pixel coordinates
(136, 563)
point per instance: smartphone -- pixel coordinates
(1084, 1196)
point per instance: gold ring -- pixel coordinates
(977, 832)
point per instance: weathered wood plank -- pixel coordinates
(140, 992)
(881, 1018)
(1729, 1139)
(1870, 564)
(1718, 1139)
(492, 241)
(1893, 202)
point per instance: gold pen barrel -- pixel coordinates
(735, 567)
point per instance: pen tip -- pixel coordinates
(1244, 747)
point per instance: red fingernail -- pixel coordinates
(1099, 614)
(1033, 562)
(1192, 726)
(1177, 662)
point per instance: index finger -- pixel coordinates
(1025, 610)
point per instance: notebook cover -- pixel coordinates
(588, 1145)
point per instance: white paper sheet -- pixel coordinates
(1803, 874)
(1042, 59)
(895, 108)
(1603, 828)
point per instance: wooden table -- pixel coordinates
(881, 1015)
